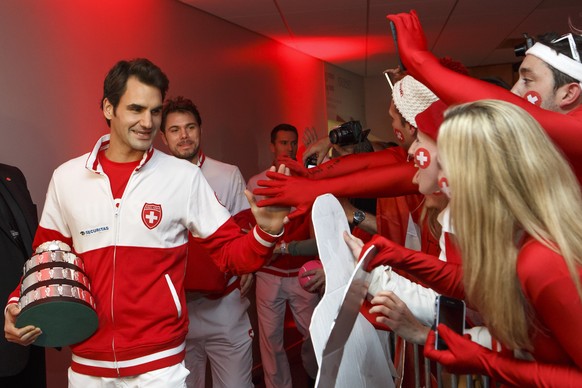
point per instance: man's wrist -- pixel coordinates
(283, 248)
(358, 218)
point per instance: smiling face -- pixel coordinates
(424, 154)
(182, 135)
(135, 121)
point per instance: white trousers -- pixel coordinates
(171, 377)
(272, 293)
(220, 331)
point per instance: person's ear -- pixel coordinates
(570, 95)
(107, 109)
(164, 137)
(272, 147)
(409, 129)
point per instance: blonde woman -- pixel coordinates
(517, 211)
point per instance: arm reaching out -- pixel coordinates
(283, 190)
(455, 88)
(466, 357)
(445, 278)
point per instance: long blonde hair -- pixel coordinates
(506, 178)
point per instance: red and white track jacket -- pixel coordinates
(135, 254)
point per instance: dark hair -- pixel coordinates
(182, 105)
(282, 127)
(562, 47)
(143, 69)
(496, 81)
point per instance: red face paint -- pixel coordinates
(399, 135)
(533, 97)
(444, 186)
(422, 158)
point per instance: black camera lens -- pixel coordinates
(346, 134)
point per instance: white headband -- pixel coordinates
(562, 62)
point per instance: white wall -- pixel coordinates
(377, 102)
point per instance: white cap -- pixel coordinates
(411, 98)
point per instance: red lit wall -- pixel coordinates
(55, 54)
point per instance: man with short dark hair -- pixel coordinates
(277, 284)
(122, 210)
(220, 330)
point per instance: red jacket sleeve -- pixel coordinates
(237, 252)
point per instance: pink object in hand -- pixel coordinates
(308, 266)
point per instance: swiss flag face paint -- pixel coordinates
(444, 186)
(399, 135)
(422, 158)
(533, 97)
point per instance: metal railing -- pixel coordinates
(443, 379)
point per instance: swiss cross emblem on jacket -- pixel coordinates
(151, 215)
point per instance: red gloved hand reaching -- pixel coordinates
(444, 278)
(389, 181)
(412, 45)
(466, 357)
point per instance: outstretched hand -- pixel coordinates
(463, 356)
(296, 168)
(285, 190)
(320, 148)
(411, 38)
(389, 253)
(270, 218)
(309, 136)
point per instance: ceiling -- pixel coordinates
(355, 35)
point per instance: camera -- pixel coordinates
(348, 133)
(520, 49)
(311, 161)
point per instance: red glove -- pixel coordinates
(296, 168)
(467, 357)
(345, 165)
(412, 46)
(445, 278)
(389, 181)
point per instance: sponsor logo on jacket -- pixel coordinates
(94, 230)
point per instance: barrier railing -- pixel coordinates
(443, 379)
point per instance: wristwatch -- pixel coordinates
(283, 248)
(359, 217)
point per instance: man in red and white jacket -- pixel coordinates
(220, 330)
(278, 284)
(123, 210)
